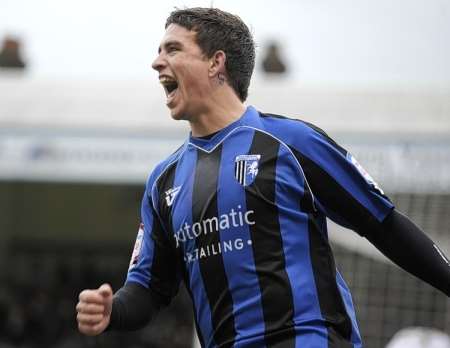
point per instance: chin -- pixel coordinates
(177, 115)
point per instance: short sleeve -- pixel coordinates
(153, 262)
(343, 190)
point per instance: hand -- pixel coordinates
(94, 310)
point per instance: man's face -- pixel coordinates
(183, 72)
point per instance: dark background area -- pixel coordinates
(58, 239)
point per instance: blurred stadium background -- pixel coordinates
(76, 145)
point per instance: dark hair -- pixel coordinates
(219, 30)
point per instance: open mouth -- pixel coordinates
(170, 85)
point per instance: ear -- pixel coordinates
(217, 63)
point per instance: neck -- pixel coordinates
(221, 110)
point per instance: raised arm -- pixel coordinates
(347, 194)
(152, 281)
(399, 239)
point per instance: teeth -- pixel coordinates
(166, 80)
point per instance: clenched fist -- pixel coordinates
(94, 310)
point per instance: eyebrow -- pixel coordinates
(170, 43)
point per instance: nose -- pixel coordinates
(158, 63)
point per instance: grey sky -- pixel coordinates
(342, 42)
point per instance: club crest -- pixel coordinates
(246, 168)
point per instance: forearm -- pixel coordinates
(406, 245)
(133, 307)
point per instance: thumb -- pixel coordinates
(106, 291)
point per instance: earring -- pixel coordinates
(221, 78)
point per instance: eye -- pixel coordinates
(172, 49)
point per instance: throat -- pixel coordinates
(208, 123)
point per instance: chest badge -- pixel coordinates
(246, 168)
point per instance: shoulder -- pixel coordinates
(293, 131)
(290, 124)
(162, 167)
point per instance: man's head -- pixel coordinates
(217, 30)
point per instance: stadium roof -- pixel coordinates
(139, 107)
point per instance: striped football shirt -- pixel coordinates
(240, 218)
